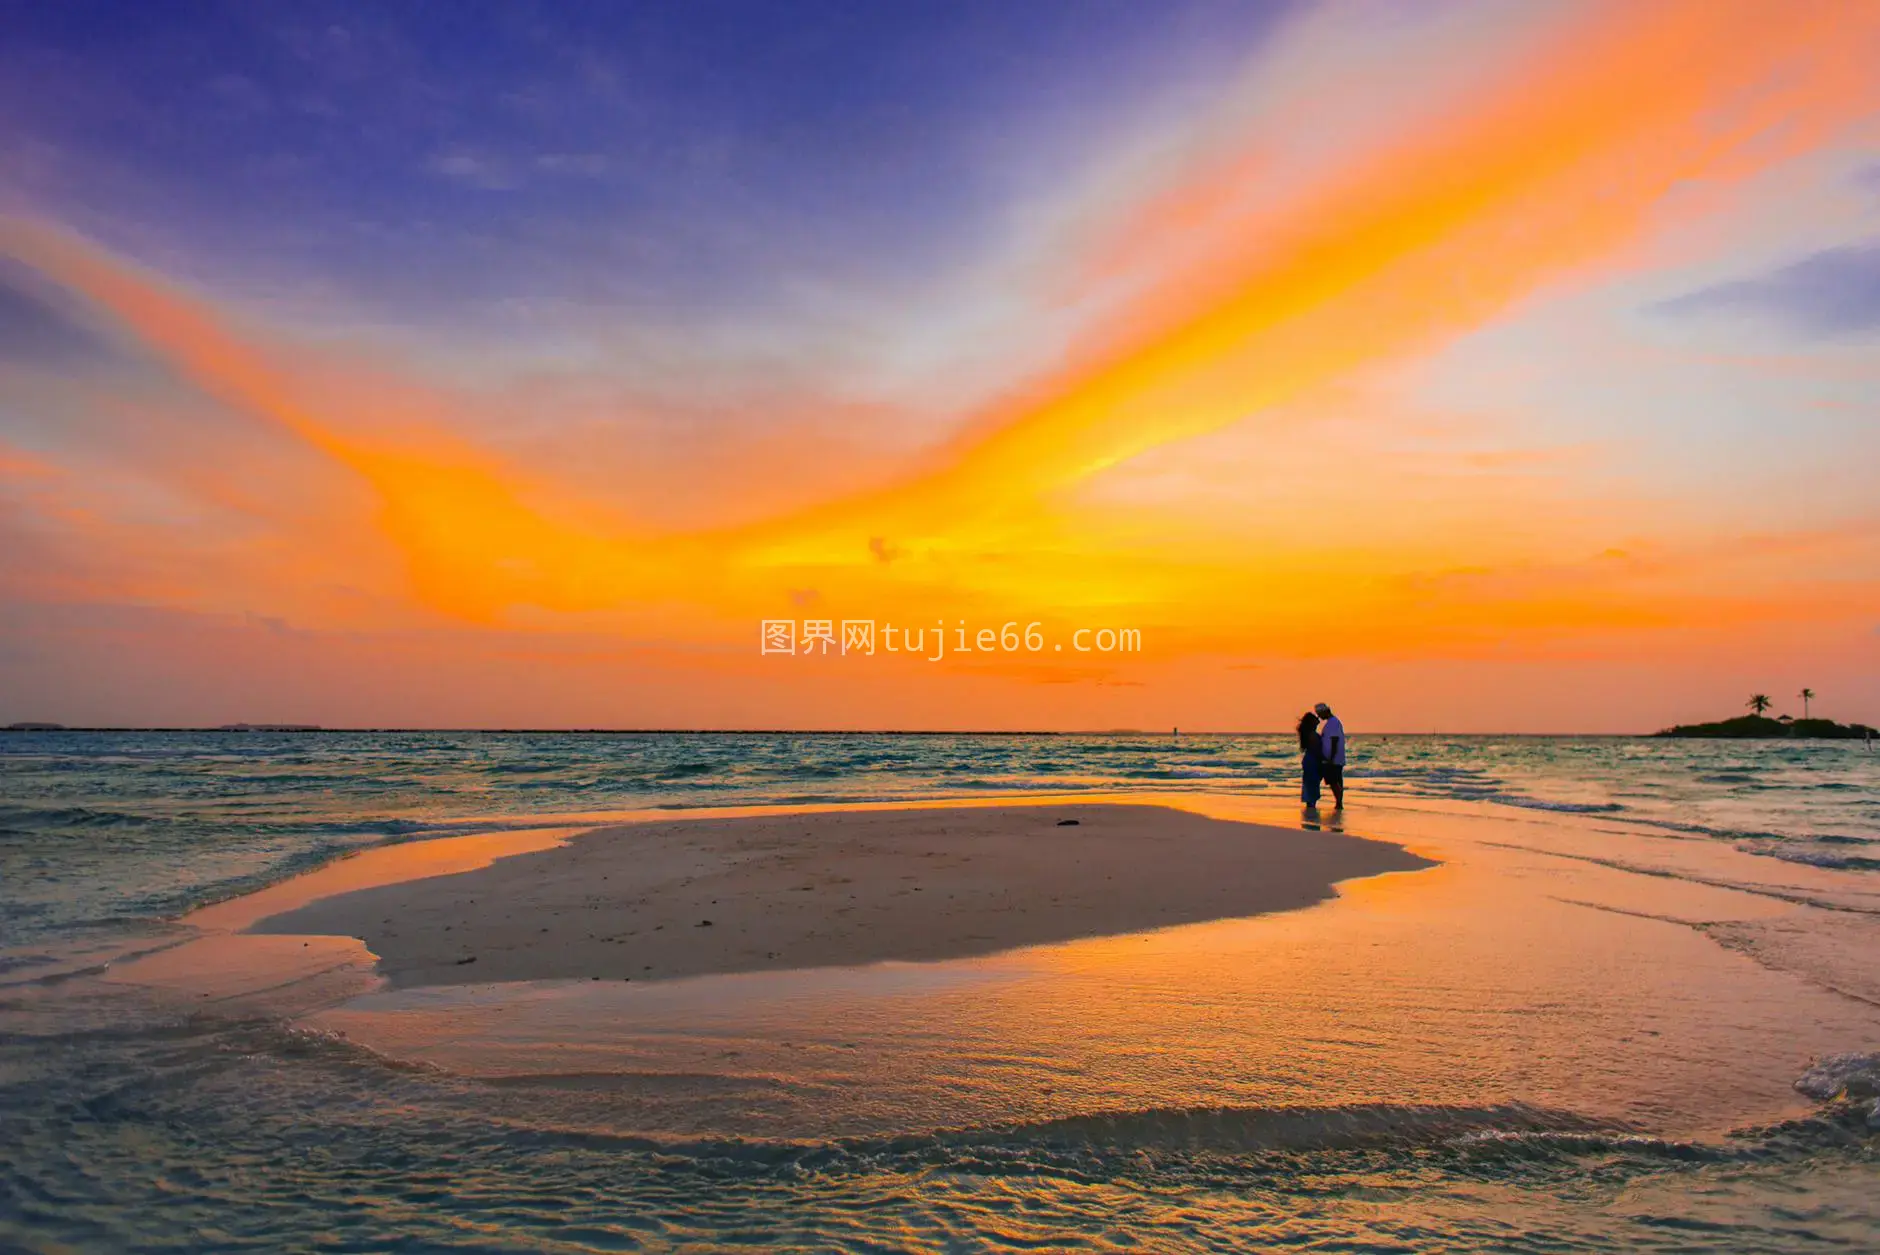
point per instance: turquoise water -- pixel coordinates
(133, 1122)
(104, 828)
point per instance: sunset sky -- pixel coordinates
(1471, 366)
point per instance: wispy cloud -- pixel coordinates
(489, 173)
(1187, 427)
(1833, 293)
(35, 330)
(498, 173)
(586, 165)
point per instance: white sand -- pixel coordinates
(835, 887)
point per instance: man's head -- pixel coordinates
(1325, 712)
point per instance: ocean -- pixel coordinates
(1607, 1068)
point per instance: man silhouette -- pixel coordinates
(1332, 739)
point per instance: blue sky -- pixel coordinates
(1501, 332)
(432, 161)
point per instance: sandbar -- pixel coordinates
(687, 897)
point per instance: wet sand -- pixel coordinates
(690, 897)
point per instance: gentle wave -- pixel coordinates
(1542, 804)
(1816, 858)
(100, 826)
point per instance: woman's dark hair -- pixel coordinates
(1308, 726)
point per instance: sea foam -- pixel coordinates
(1852, 1077)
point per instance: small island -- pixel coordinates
(1763, 726)
(1757, 724)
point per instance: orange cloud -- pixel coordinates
(1549, 168)
(1562, 160)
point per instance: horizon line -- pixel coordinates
(677, 731)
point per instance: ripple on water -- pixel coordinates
(1106, 1106)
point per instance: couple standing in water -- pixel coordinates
(1321, 755)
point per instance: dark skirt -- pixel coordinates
(1311, 769)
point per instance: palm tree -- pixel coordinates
(1758, 703)
(1806, 695)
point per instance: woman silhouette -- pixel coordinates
(1311, 759)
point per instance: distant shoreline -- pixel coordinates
(1763, 728)
(311, 730)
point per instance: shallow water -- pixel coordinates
(1578, 1032)
(98, 827)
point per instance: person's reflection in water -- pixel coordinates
(1315, 822)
